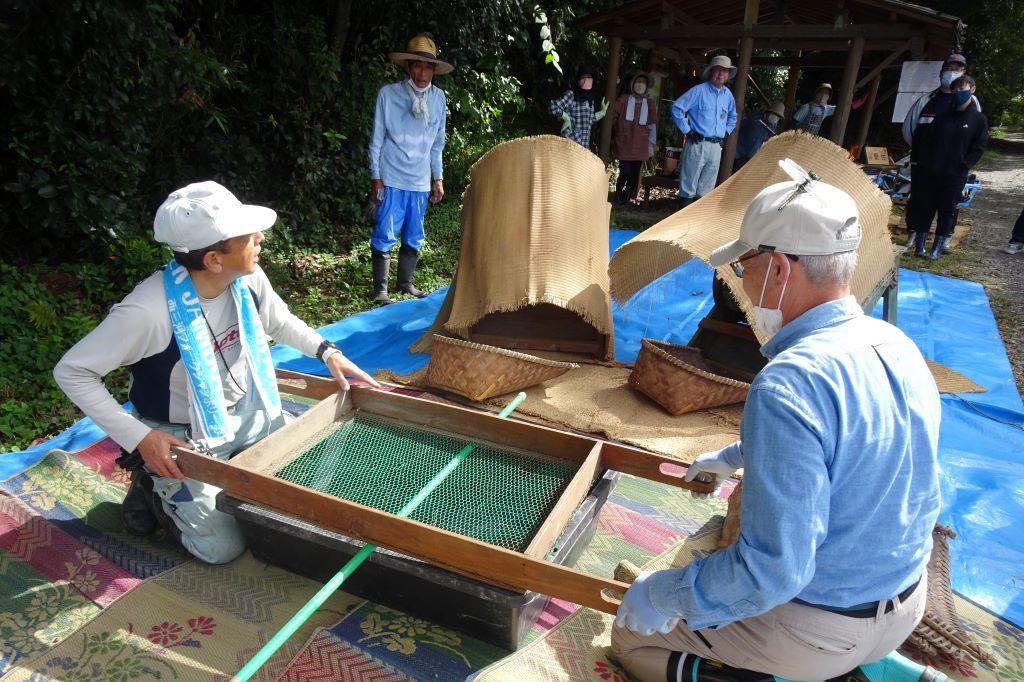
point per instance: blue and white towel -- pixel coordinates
(208, 412)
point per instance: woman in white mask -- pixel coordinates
(635, 120)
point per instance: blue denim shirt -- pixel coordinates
(840, 489)
(711, 111)
(404, 152)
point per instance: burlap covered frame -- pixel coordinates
(535, 221)
(715, 220)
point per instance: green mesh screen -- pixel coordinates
(498, 495)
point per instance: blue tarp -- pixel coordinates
(950, 320)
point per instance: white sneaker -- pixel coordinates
(1013, 247)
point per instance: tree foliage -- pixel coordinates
(111, 104)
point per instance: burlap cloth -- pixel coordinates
(596, 399)
(535, 221)
(951, 381)
(702, 227)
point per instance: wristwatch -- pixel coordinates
(325, 346)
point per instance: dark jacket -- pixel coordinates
(951, 144)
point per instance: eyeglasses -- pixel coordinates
(737, 265)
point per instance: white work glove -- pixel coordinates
(638, 614)
(710, 463)
(604, 110)
(567, 122)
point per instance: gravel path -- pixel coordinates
(992, 214)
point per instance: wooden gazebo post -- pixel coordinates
(842, 115)
(740, 95)
(792, 79)
(866, 113)
(614, 57)
(750, 12)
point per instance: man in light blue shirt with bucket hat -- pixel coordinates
(706, 115)
(405, 150)
(840, 490)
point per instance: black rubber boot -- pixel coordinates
(947, 245)
(407, 259)
(163, 518)
(937, 247)
(381, 269)
(136, 509)
(921, 244)
(685, 201)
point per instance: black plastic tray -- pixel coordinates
(492, 614)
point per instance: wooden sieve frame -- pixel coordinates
(249, 476)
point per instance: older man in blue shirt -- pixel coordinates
(406, 146)
(706, 115)
(838, 445)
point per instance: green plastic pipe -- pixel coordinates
(318, 599)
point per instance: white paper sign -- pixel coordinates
(916, 79)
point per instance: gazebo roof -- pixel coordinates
(797, 24)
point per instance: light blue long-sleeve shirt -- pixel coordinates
(840, 489)
(711, 111)
(404, 152)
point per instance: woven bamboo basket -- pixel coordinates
(681, 380)
(479, 372)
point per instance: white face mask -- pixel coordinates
(639, 88)
(769, 319)
(773, 120)
(947, 77)
(417, 88)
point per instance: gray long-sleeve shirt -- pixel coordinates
(139, 328)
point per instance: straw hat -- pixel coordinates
(778, 108)
(422, 48)
(823, 86)
(721, 60)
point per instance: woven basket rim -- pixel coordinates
(655, 347)
(504, 351)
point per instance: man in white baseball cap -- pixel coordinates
(193, 336)
(840, 491)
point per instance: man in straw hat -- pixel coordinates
(706, 115)
(840, 489)
(193, 336)
(756, 129)
(405, 149)
(811, 115)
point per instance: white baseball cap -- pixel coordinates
(205, 213)
(802, 217)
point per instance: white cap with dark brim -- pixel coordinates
(801, 217)
(204, 213)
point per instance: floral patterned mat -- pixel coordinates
(80, 599)
(647, 523)
(64, 555)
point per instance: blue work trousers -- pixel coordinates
(206, 532)
(400, 213)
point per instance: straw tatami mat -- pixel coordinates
(715, 220)
(194, 622)
(535, 220)
(596, 399)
